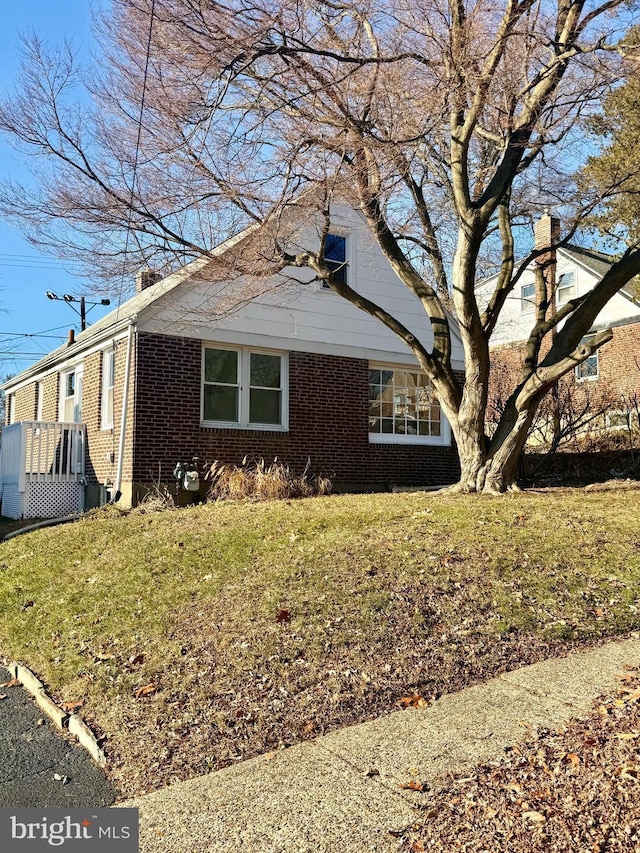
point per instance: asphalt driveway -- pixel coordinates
(38, 765)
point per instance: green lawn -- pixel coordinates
(260, 624)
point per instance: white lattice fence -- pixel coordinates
(52, 500)
(42, 469)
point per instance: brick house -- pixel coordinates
(189, 367)
(608, 380)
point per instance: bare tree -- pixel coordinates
(445, 123)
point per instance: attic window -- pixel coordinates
(527, 298)
(335, 254)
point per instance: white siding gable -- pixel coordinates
(515, 324)
(293, 312)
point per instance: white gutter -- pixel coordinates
(123, 420)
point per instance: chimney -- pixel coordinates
(546, 231)
(71, 339)
(145, 278)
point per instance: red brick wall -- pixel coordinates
(50, 385)
(103, 444)
(328, 416)
(25, 405)
(618, 372)
(619, 360)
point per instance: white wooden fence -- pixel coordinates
(42, 469)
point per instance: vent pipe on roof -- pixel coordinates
(145, 278)
(72, 337)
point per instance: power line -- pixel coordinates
(29, 335)
(17, 354)
(134, 175)
(29, 261)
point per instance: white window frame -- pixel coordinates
(569, 285)
(527, 303)
(621, 419)
(579, 367)
(78, 372)
(442, 440)
(350, 265)
(244, 389)
(108, 386)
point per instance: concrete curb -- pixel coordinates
(62, 719)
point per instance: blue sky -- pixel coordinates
(26, 274)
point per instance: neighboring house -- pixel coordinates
(610, 378)
(295, 372)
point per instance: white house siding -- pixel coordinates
(300, 316)
(515, 326)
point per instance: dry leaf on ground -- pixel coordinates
(414, 785)
(413, 701)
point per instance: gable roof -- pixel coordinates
(116, 321)
(598, 263)
(111, 323)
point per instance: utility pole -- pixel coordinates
(68, 298)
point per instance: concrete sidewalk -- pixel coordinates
(341, 793)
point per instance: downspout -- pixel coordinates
(123, 420)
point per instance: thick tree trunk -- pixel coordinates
(491, 465)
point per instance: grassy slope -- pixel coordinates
(262, 624)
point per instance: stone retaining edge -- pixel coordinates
(61, 718)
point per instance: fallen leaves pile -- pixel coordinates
(574, 789)
(224, 703)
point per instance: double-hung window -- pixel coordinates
(70, 406)
(527, 298)
(403, 408)
(244, 387)
(566, 288)
(108, 381)
(588, 369)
